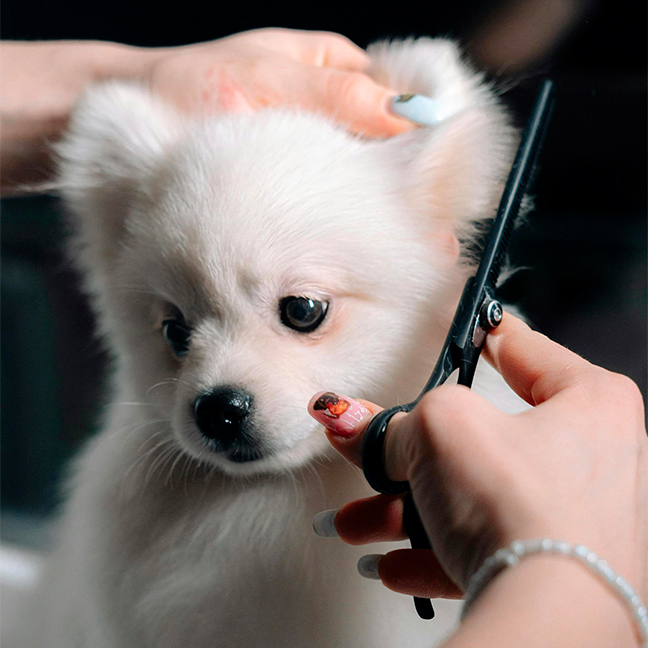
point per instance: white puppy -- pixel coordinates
(238, 264)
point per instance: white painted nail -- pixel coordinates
(417, 108)
(323, 524)
(368, 566)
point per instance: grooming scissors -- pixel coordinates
(478, 313)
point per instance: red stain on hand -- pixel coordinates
(222, 93)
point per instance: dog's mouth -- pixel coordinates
(255, 457)
(245, 452)
(246, 455)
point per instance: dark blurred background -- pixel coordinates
(583, 249)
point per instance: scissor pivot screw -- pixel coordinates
(491, 314)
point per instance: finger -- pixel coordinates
(444, 421)
(327, 49)
(432, 424)
(316, 48)
(353, 100)
(416, 572)
(345, 420)
(533, 365)
(372, 519)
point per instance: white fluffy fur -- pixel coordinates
(163, 543)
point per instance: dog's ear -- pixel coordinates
(117, 137)
(456, 169)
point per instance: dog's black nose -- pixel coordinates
(223, 417)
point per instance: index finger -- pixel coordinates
(534, 366)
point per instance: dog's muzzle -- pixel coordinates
(224, 417)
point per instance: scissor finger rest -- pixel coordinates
(373, 464)
(373, 451)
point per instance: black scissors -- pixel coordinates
(478, 312)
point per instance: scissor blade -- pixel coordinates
(516, 187)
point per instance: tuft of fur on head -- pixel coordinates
(462, 163)
(220, 217)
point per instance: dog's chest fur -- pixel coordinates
(209, 562)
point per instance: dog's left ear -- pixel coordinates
(116, 141)
(453, 170)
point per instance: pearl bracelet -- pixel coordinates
(510, 555)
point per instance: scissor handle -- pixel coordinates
(373, 465)
(373, 453)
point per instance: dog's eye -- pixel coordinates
(177, 334)
(302, 313)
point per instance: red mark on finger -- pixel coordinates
(222, 93)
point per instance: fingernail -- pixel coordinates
(368, 566)
(323, 524)
(340, 414)
(420, 109)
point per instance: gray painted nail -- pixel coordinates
(368, 566)
(323, 524)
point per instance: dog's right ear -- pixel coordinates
(117, 137)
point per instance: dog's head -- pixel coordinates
(241, 263)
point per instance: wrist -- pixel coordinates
(41, 82)
(547, 599)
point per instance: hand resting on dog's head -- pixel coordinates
(320, 72)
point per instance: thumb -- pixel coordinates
(352, 99)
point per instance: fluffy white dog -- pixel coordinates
(238, 264)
